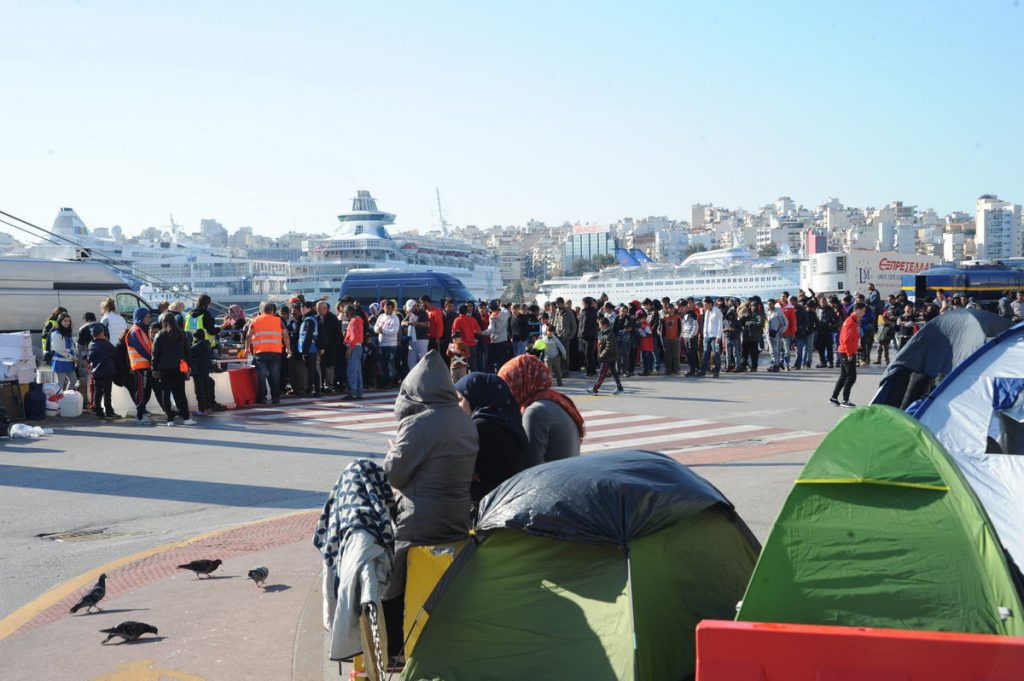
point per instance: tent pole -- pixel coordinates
(632, 613)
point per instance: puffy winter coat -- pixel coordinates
(432, 458)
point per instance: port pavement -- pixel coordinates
(135, 502)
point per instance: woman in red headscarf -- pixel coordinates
(552, 422)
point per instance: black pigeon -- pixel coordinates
(201, 567)
(259, 575)
(90, 599)
(129, 631)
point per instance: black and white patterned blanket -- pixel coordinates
(361, 500)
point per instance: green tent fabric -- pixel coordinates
(522, 605)
(882, 530)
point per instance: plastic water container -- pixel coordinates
(35, 404)
(71, 404)
(53, 398)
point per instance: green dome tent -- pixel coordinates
(882, 530)
(596, 567)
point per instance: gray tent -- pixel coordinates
(931, 354)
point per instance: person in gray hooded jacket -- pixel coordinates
(430, 464)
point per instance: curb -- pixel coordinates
(40, 605)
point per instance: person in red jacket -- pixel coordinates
(789, 335)
(435, 318)
(468, 326)
(849, 344)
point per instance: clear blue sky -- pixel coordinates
(273, 114)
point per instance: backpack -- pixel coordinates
(122, 366)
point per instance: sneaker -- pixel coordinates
(112, 415)
(593, 390)
(617, 391)
(170, 424)
(834, 401)
(146, 420)
(848, 404)
(188, 422)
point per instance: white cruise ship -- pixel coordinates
(362, 241)
(173, 267)
(734, 272)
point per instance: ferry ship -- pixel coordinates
(733, 272)
(362, 241)
(173, 267)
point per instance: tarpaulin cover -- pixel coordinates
(609, 498)
(940, 345)
(881, 529)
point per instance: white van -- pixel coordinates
(30, 288)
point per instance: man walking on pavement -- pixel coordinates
(268, 341)
(849, 344)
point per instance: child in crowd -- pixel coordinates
(84, 371)
(102, 365)
(458, 356)
(646, 334)
(607, 355)
(554, 353)
(202, 367)
(154, 331)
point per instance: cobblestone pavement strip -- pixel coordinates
(224, 545)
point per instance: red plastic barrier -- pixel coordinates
(755, 651)
(243, 385)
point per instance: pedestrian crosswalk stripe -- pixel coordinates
(619, 443)
(631, 418)
(607, 430)
(645, 428)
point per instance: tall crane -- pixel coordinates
(440, 213)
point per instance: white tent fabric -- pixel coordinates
(963, 412)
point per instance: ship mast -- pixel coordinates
(440, 213)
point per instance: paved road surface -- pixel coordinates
(119, 489)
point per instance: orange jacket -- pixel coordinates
(849, 336)
(267, 334)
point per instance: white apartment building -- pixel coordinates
(997, 226)
(953, 246)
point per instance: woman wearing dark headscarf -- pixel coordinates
(504, 447)
(551, 420)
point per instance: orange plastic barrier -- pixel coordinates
(243, 385)
(755, 651)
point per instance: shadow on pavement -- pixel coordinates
(140, 434)
(146, 487)
(274, 588)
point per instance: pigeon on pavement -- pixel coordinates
(201, 567)
(90, 599)
(129, 631)
(259, 575)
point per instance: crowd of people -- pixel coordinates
(308, 348)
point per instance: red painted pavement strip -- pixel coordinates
(747, 452)
(228, 544)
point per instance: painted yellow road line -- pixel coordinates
(26, 613)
